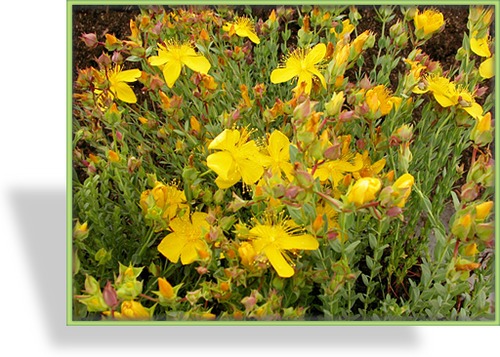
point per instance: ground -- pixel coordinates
(115, 20)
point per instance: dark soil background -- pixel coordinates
(100, 20)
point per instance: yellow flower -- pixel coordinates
(347, 28)
(487, 68)
(173, 56)
(237, 158)
(369, 169)
(279, 154)
(427, 23)
(380, 101)
(243, 27)
(335, 170)
(118, 83)
(360, 40)
(302, 64)
(166, 289)
(448, 94)
(483, 210)
(480, 46)
(364, 190)
(165, 197)
(187, 238)
(113, 156)
(130, 310)
(402, 186)
(482, 132)
(272, 239)
(247, 254)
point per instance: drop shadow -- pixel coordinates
(41, 219)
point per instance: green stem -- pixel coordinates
(146, 244)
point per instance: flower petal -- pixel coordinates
(279, 146)
(129, 75)
(171, 246)
(171, 72)
(222, 163)
(280, 75)
(316, 54)
(199, 220)
(480, 47)
(305, 241)
(197, 63)
(278, 262)
(189, 253)
(487, 68)
(475, 110)
(226, 140)
(221, 183)
(124, 92)
(157, 60)
(250, 171)
(305, 76)
(318, 74)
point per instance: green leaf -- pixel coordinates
(133, 59)
(426, 274)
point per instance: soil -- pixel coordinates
(115, 20)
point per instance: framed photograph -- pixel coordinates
(281, 163)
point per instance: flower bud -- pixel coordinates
(469, 191)
(90, 39)
(483, 210)
(481, 133)
(133, 310)
(247, 254)
(334, 106)
(109, 295)
(81, 231)
(485, 231)
(91, 285)
(462, 225)
(402, 187)
(364, 190)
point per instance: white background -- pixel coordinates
(33, 219)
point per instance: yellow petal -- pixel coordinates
(199, 219)
(318, 74)
(129, 75)
(305, 241)
(171, 72)
(483, 210)
(280, 75)
(444, 99)
(480, 46)
(221, 183)
(305, 76)
(475, 110)
(157, 60)
(190, 252)
(226, 140)
(317, 53)
(244, 32)
(278, 262)
(254, 38)
(197, 63)
(222, 163)
(250, 171)
(124, 92)
(279, 146)
(487, 68)
(171, 246)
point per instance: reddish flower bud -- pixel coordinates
(110, 296)
(90, 39)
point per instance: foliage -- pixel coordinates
(283, 166)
